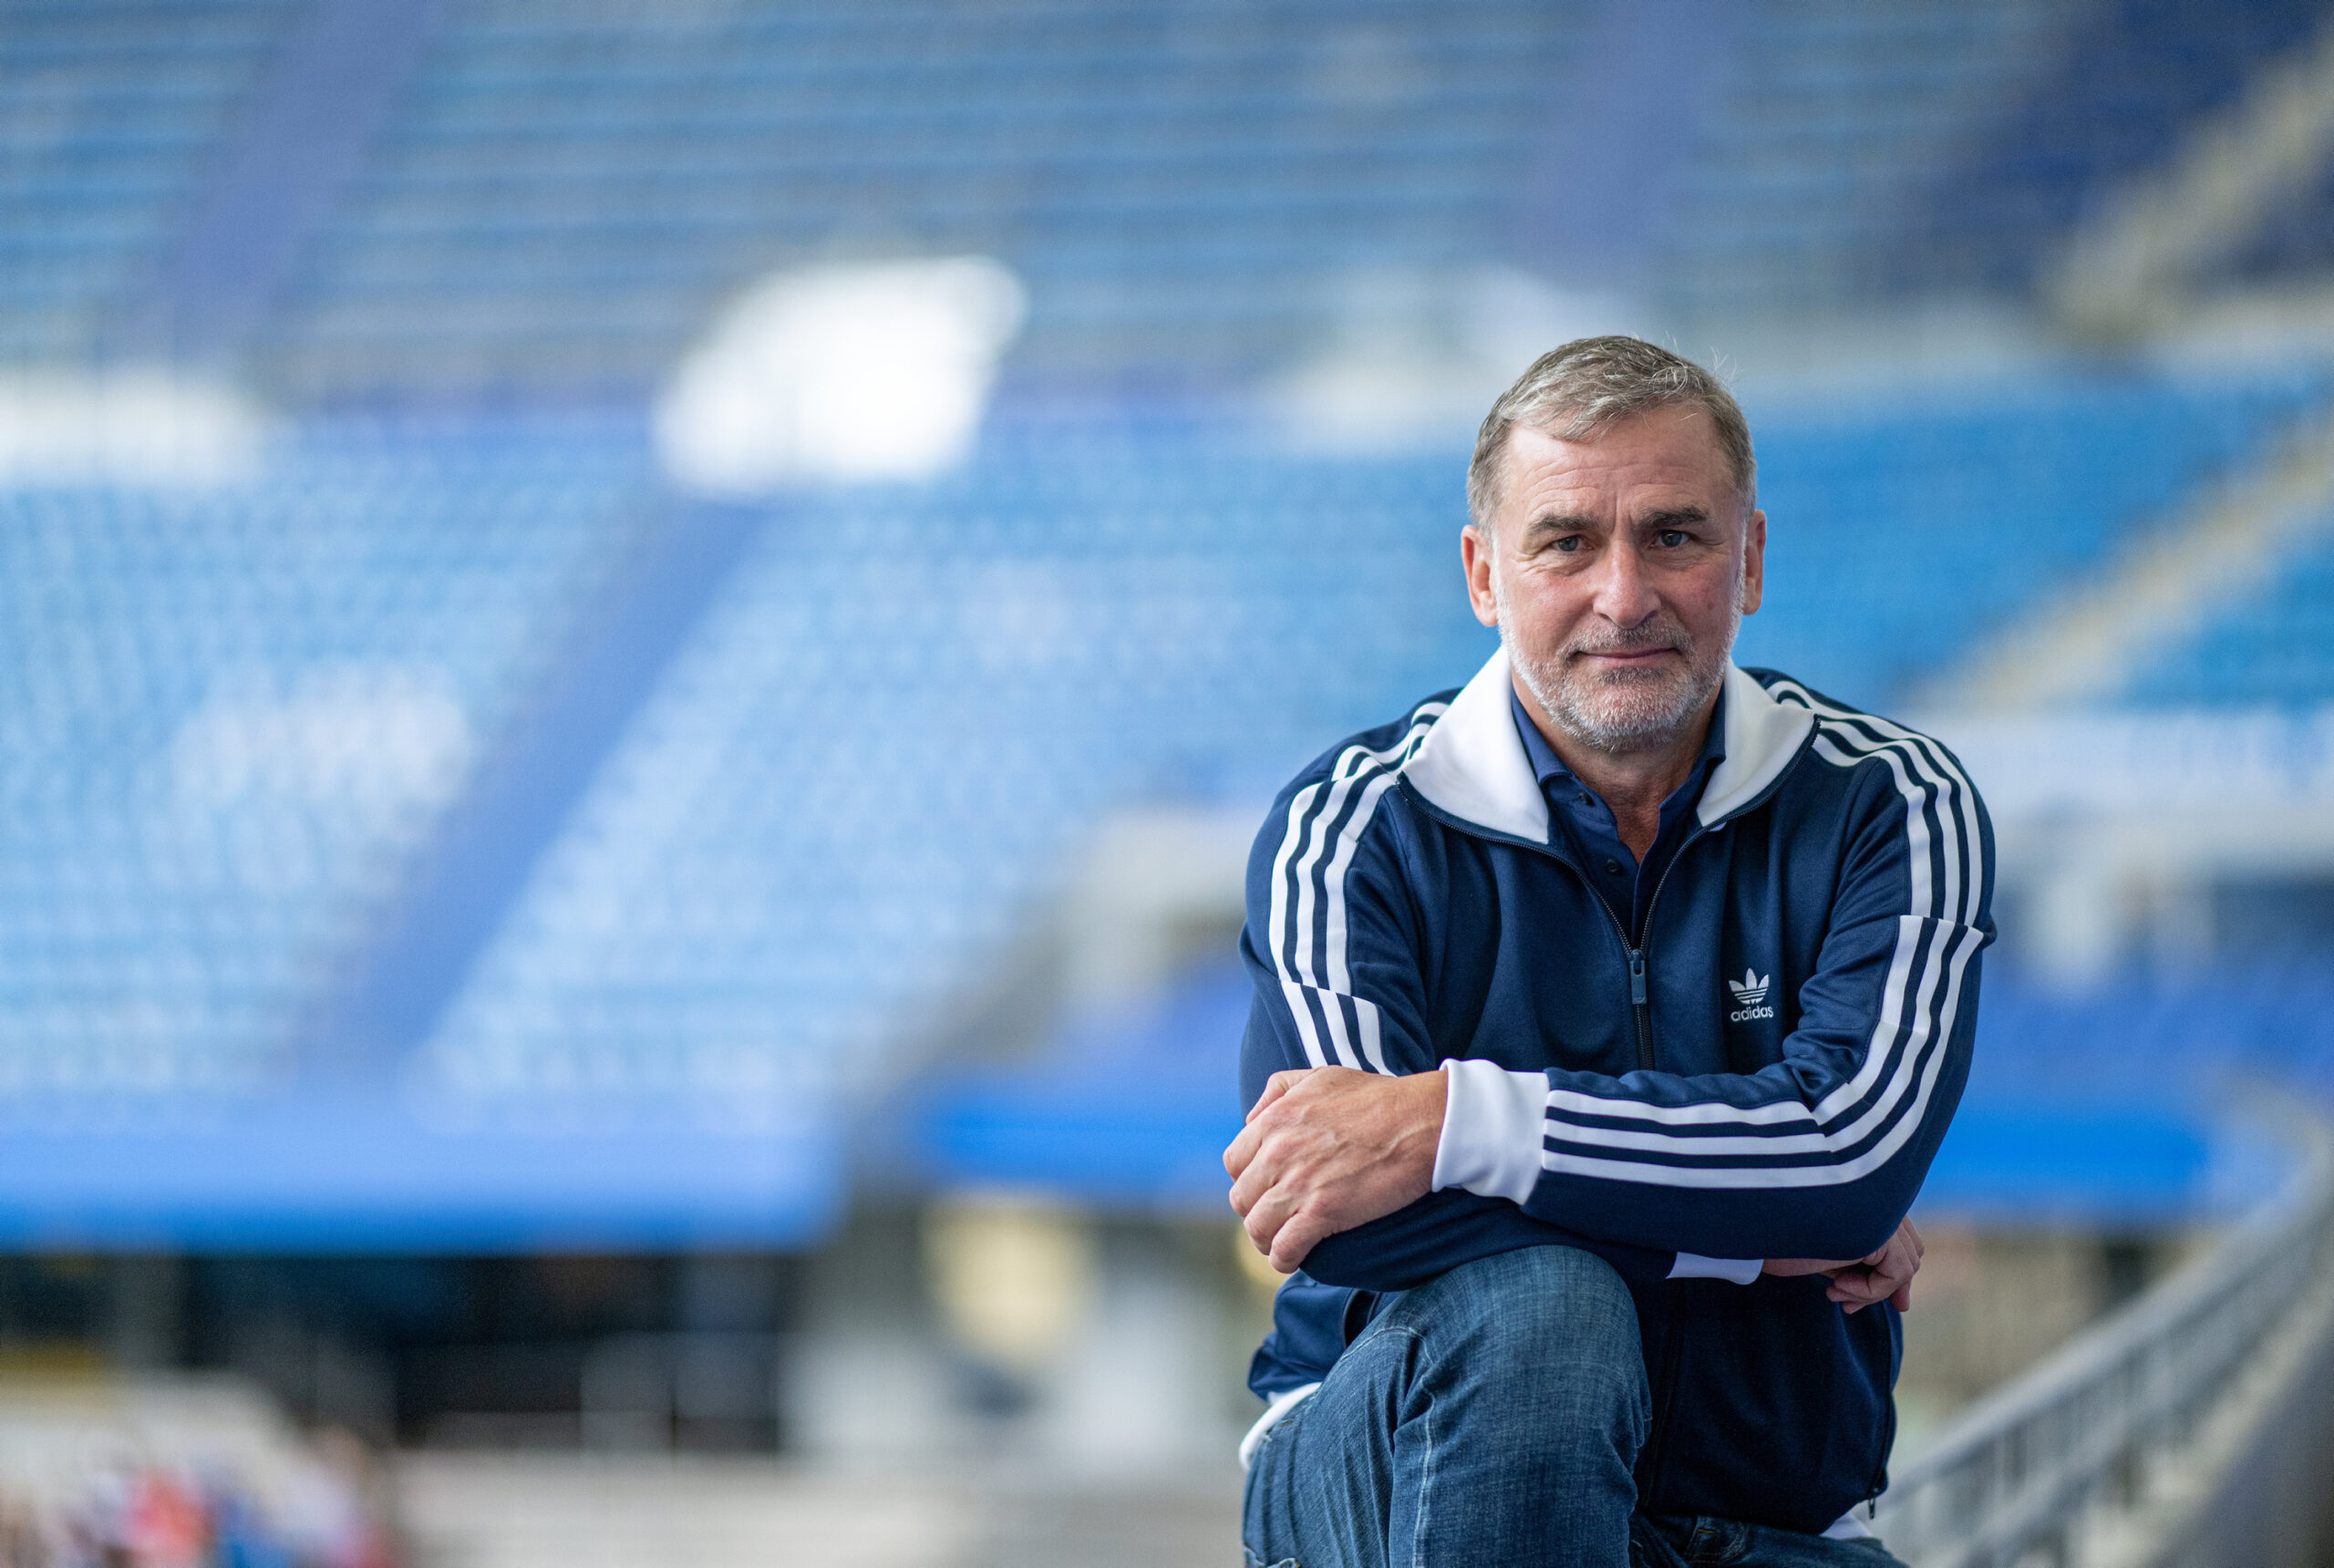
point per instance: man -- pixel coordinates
(1580, 992)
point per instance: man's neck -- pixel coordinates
(1632, 783)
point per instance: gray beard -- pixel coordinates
(1623, 710)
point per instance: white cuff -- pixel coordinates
(1493, 1122)
(1693, 1266)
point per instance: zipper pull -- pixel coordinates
(1637, 975)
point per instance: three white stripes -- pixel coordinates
(1923, 775)
(1301, 978)
(1911, 1063)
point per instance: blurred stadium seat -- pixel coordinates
(1899, 536)
(111, 108)
(2274, 650)
(2110, 95)
(570, 192)
(232, 714)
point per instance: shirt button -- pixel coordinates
(1613, 868)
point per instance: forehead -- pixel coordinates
(1666, 457)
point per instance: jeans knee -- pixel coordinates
(1532, 1356)
(1554, 1309)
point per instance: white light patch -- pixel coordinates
(365, 739)
(839, 373)
(143, 428)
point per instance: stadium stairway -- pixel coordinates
(305, 127)
(235, 719)
(2208, 561)
(2225, 201)
(2120, 90)
(458, 891)
(113, 108)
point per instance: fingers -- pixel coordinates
(1325, 1149)
(1277, 1085)
(1241, 1150)
(1295, 1241)
(1260, 1167)
(1885, 1275)
(1265, 1220)
(1896, 1277)
(1856, 1289)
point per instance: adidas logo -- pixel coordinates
(1750, 992)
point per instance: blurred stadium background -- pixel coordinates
(639, 643)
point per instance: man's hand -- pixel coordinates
(1857, 1283)
(1328, 1148)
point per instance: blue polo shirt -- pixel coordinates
(1595, 837)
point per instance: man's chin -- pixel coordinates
(1651, 718)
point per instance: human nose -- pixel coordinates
(1623, 595)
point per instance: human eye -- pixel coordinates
(1673, 539)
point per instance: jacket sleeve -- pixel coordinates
(1331, 942)
(1822, 1153)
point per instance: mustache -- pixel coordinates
(1663, 633)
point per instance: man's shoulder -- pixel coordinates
(1346, 790)
(1853, 737)
(1376, 751)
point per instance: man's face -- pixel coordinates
(1616, 571)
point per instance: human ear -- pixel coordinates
(1476, 550)
(1754, 561)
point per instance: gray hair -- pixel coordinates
(1574, 391)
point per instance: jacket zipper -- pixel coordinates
(1640, 994)
(1643, 1007)
(1879, 1468)
(1664, 1388)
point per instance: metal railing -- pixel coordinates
(2112, 1450)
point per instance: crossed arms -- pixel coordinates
(1809, 1163)
(1327, 1150)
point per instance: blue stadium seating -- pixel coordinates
(565, 195)
(230, 715)
(2273, 648)
(570, 194)
(234, 718)
(905, 713)
(2125, 82)
(1833, 121)
(2295, 242)
(875, 755)
(1898, 536)
(882, 749)
(110, 107)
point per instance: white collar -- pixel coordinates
(1472, 764)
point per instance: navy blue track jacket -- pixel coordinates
(1767, 1075)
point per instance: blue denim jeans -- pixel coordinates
(1491, 1419)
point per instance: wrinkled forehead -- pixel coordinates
(1664, 460)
